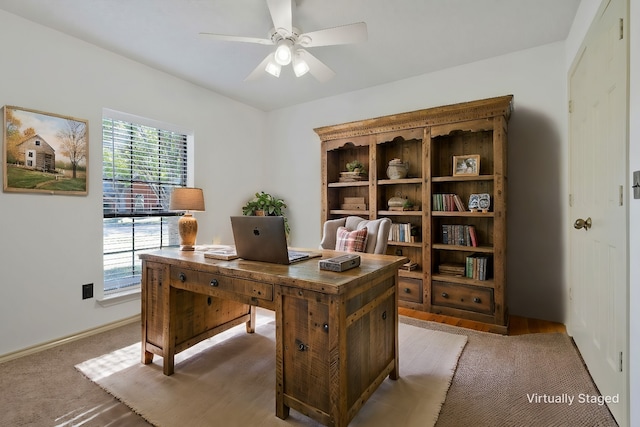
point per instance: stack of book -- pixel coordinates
(461, 235)
(478, 267)
(221, 252)
(452, 269)
(410, 266)
(447, 202)
(354, 204)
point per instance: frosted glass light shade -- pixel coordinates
(283, 52)
(300, 66)
(273, 69)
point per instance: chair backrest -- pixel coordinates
(377, 232)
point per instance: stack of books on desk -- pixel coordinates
(223, 252)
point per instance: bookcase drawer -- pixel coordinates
(463, 297)
(410, 289)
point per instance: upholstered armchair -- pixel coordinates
(376, 238)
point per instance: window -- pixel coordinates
(141, 166)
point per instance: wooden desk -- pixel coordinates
(336, 333)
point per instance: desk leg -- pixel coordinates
(168, 327)
(251, 324)
(147, 356)
(395, 373)
(282, 411)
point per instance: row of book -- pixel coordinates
(461, 235)
(478, 267)
(447, 202)
(404, 232)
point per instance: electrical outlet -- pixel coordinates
(87, 291)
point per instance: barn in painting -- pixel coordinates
(37, 154)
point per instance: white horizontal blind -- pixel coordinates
(141, 166)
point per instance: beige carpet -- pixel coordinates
(232, 383)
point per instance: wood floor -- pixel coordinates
(517, 325)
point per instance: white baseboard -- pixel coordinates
(80, 335)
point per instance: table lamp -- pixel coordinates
(188, 200)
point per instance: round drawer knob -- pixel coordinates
(407, 290)
(445, 295)
(476, 300)
(214, 283)
(182, 277)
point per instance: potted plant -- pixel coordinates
(265, 204)
(356, 167)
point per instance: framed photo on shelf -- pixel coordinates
(467, 165)
(44, 152)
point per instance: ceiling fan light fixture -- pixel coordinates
(273, 69)
(300, 66)
(283, 52)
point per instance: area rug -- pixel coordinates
(230, 380)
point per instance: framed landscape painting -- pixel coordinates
(44, 152)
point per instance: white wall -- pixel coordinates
(537, 159)
(51, 245)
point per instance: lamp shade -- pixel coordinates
(187, 199)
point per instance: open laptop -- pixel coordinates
(262, 238)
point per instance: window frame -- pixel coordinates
(107, 290)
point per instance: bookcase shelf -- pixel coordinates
(459, 248)
(426, 142)
(463, 214)
(405, 244)
(399, 213)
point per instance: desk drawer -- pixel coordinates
(463, 297)
(410, 289)
(214, 283)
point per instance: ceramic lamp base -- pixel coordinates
(188, 229)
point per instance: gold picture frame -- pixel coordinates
(467, 165)
(44, 152)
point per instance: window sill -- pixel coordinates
(120, 297)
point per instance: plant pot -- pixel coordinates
(397, 169)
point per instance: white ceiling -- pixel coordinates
(406, 38)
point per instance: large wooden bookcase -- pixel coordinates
(428, 140)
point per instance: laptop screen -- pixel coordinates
(260, 238)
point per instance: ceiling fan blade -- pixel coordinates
(226, 38)
(260, 69)
(316, 67)
(281, 14)
(345, 34)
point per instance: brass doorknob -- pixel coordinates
(582, 223)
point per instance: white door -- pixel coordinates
(598, 169)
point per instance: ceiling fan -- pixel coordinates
(291, 44)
